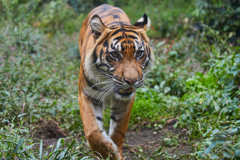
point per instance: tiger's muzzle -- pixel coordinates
(126, 87)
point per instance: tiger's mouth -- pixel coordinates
(126, 92)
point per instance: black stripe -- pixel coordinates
(149, 52)
(140, 79)
(94, 56)
(115, 43)
(115, 16)
(116, 24)
(123, 30)
(144, 58)
(113, 65)
(90, 84)
(133, 37)
(101, 10)
(108, 59)
(116, 32)
(146, 64)
(107, 37)
(93, 100)
(99, 118)
(116, 111)
(119, 132)
(110, 13)
(113, 27)
(126, 25)
(114, 118)
(104, 64)
(101, 52)
(105, 44)
(118, 38)
(121, 37)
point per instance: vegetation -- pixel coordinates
(195, 79)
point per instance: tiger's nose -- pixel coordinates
(130, 81)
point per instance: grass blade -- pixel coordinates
(40, 149)
(17, 147)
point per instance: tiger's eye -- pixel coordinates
(114, 55)
(139, 54)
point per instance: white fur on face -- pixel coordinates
(94, 75)
(117, 45)
(123, 98)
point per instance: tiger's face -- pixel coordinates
(121, 58)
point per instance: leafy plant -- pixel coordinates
(220, 15)
(193, 81)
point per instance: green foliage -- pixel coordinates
(208, 77)
(57, 16)
(17, 143)
(17, 11)
(85, 6)
(33, 75)
(167, 17)
(216, 102)
(221, 15)
(49, 17)
(192, 81)
(13, 143)
(152, 105)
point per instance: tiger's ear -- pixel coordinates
(144, 22)
(97, 26)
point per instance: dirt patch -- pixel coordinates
(155, 144)
(48, 129)
(143, 136)
(49, 132)
(142, 144)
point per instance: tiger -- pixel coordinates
(115, 57)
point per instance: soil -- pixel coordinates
(49, 132)
(142, 144)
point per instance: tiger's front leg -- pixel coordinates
(91, 115)
(120, 115)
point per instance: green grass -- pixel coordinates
(193, 81)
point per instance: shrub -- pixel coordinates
(221, 15)
(57, 16)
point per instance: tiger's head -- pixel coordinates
(121, 56)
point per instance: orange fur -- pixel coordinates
(109, 43)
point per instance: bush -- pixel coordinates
(214, 100)
(57, 16)
(221, 15)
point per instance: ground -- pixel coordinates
(146, 143)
